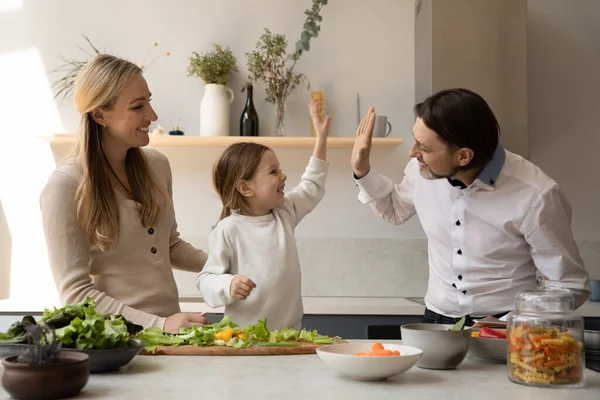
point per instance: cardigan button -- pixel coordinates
(153, 250)
(151, 231)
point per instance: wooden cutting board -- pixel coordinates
(303, 348)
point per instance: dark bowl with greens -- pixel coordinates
(109, 360)
(15, 341)
(107, 339)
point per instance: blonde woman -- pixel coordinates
(107, 211)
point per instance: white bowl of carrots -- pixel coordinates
(369, 361)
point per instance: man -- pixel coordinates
(491, 217)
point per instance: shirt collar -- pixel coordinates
(489, 174)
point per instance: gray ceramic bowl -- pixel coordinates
(442, 348)
(112, 359)
(489, 349)
(591, 339)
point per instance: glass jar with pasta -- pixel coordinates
(545, 340)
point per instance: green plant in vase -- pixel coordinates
(214, 68)
(271, 63)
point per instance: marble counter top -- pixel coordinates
(306, 377)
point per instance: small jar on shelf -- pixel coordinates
(545, 340)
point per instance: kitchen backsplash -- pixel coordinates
(370, 267)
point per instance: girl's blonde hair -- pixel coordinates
(97, 86)
(237, 163)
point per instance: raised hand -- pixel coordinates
(361, 151)
(321, 129)
(321, 125)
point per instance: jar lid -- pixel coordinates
(545, 301)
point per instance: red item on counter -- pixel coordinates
(491, 333)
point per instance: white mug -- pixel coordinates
(381, 125)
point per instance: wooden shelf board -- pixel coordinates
(224, 141)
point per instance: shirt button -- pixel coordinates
(460, 277)
(459, 252)
(454, 285)
(457, 223)
(151, 231)
(464, 292)
(153, 250)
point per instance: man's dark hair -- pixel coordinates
(462, 118)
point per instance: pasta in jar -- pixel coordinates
(544, 355)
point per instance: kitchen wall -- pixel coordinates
(364, 46)
(564, 82)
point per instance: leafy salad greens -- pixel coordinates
(227, 333)
(78, 326)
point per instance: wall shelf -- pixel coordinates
(224, 141)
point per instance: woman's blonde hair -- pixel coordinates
(237, 163)
(97, 86)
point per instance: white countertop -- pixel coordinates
(362, 306)
(306, 377)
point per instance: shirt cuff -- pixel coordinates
(368, 185)
(227, 289)
(318, 164)
(160, 323)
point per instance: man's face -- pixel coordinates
(436, 159)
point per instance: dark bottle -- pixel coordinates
(249, 118)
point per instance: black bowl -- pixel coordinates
(108, 360)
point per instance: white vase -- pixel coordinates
(215, 109)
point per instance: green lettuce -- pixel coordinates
(93, 331)
(255, 335)
(258, 331)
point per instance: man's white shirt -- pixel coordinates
(485, 241)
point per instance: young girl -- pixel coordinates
(253, 267)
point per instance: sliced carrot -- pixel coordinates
(377, 346)
(378, 350)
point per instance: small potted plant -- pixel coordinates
(43, 371)
(214, 68)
